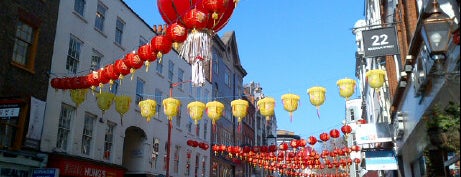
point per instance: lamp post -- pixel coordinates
(436, 30)
(172, 85)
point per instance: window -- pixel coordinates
(25, 45)
(108, 140)
(67, 112)
(158, 99)
(100, 16)
(159, 67)
(176, 158)
(205, 129)
(197, 164)
(180, 77)
(73, 54)
(199, 93)
(114, 87)
(8, 126)
(215, 59)
(139, 90)
(178, 118)
(227, 78)
(204, 165)
(189, 126)
(79, 6)
(206, 94)
(155, 152)
(95, 61)
(352, 114)
(119, 31)
(87, 135)
(142, 41)
(197, 129)
(170, 70)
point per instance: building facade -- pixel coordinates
(84, 139)
(227, 81)
(417, 81)
(27, 35)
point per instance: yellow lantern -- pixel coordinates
(196, 109)
(148, 108)
(171, 107)
(375, 78)
(346, 87)
(317, 97)
(214, 111)
(239, 109)
(266, 107)
(290, 103)
(122, 105)
(78, 95)
(104, 102)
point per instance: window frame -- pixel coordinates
(108, 140)
(119, 31)
(31, 49)
(73, 54)
(100, 16)
(64, 127)
(79, 7)
(140, 83)
(87, 133)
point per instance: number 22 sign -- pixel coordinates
(380, 42)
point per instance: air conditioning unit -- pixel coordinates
(398, 125)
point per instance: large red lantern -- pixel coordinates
(194, 14)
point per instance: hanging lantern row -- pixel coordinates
(290, 161)
(201, 145)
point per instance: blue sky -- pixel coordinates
(288, 47)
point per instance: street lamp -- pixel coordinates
(436, 30)
(271, 139)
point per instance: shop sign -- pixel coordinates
(380, 42)
(373, 133)
(45, 172)
(380, 160)
(83, 168)
(9, 111)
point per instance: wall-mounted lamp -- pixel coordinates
(436, 30)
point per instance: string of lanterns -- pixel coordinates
(297, 157)
(214, 110)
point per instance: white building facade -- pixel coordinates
(85, 139)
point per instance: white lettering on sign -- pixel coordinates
(9, 112)
(95, 172)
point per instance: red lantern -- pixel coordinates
(324, 137)
(160, 45)
(93, 79)
(361, 121)
(195, 19)
(294, 143)
(312, 140)
(272, 148)
(302, 143)
(110, 73)
(56, 83)
(190, 142)
(177, 33)
(357, 161)
(172, 11)
(121, 67)
(346, 129)
(133, 62)
(283, 146)
(334, 133)
(103, 79)
(146, 55)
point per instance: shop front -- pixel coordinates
(70, 166)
